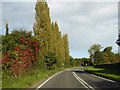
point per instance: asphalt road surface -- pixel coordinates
(77, 78)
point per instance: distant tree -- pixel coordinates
(110, 55)
(108, 49)
(117, 57)
(98, 57)
(105, 57)
(94, 49)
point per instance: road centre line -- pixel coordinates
(86, 85)
(80, 81)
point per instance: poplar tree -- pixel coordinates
(42, 27)
(67, 58)
(7, 30)
(54, 38)
(61, 50)
(49, 36)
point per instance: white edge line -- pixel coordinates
(84, 83)
(47, 80)
(103, 78)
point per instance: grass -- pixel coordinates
(31, 79)
(28, 79)
(35, 76)
(104, 72)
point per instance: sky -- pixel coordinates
(86, 23)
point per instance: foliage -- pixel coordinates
(18, 52)
(47, 47)
(51, 40)
(71, 59)
(50, 60)
(66, 47)
(108, 49)
(11, 40)
(94, 48)
(29, 79)
(105, 72)
(103, 57)
(98, 57)
(76, 61)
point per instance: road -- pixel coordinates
(78, 78)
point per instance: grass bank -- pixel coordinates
(104, 72)
(30, 78)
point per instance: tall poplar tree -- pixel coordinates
(49, 36)
(67, 58)
(42, 27)
(7, 31)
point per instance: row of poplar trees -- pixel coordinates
(49, 36)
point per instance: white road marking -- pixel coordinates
(48, 80)
(79, 80)
(86, 85)
(103, 78)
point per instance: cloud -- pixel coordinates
(86, 23)
(19, 14)
(61, 0)
(0, 16)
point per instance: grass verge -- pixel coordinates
(28, 79)
(104, 72)
(31, 79)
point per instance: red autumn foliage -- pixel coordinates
(22, 56)
(6, 59)
(22, 39)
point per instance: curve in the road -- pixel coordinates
(78, 79)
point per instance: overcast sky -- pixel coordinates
(86, 23)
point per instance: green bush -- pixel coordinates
(50, 60)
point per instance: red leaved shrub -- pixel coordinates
(22, 57)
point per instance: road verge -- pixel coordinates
(106, 73)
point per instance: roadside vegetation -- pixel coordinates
(104, 63)
(29, 79)
(104, 72)
(29, 58)
(32, 77)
